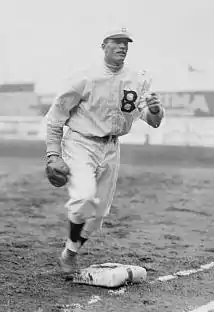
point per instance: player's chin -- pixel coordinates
(119, 58)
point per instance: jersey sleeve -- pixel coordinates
(67, 99)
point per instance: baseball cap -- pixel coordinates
(119, 33)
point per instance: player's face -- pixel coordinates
(115, 50)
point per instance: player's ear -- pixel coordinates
(103, 45)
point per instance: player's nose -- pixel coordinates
(123, 45)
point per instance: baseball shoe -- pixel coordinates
(67, 261)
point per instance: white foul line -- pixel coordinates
(205, 308)
(185, 273)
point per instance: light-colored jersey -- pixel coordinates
(99, 102)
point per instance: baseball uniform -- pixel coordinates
(98, 106)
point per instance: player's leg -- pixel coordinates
(107, 175)
(82, 191)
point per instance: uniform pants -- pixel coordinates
(94, 166)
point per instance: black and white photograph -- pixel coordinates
(106, 156)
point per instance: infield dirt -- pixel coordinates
(161, 218)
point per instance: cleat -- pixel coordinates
(67, 261)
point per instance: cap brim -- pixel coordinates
(120, 36)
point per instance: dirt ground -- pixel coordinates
(162, 219)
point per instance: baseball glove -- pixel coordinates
(57, 171)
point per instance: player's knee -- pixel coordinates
(84, 191)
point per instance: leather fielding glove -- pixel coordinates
(57, 171)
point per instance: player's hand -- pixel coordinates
(153, 103)
(57, 171)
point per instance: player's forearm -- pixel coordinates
(53, 139)
(57, 116)
(56, 119)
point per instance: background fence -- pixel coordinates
(22, 128)
(184, 131)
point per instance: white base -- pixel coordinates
(110, 275)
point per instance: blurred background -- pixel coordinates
(43, 42)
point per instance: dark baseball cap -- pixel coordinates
(118, 34)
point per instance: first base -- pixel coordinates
(109, 275)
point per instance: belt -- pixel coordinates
(106, 138)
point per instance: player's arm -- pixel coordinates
(56, 169)
(150, 107)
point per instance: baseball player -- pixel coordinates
(98, 105)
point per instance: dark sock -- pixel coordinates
(74, 231)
